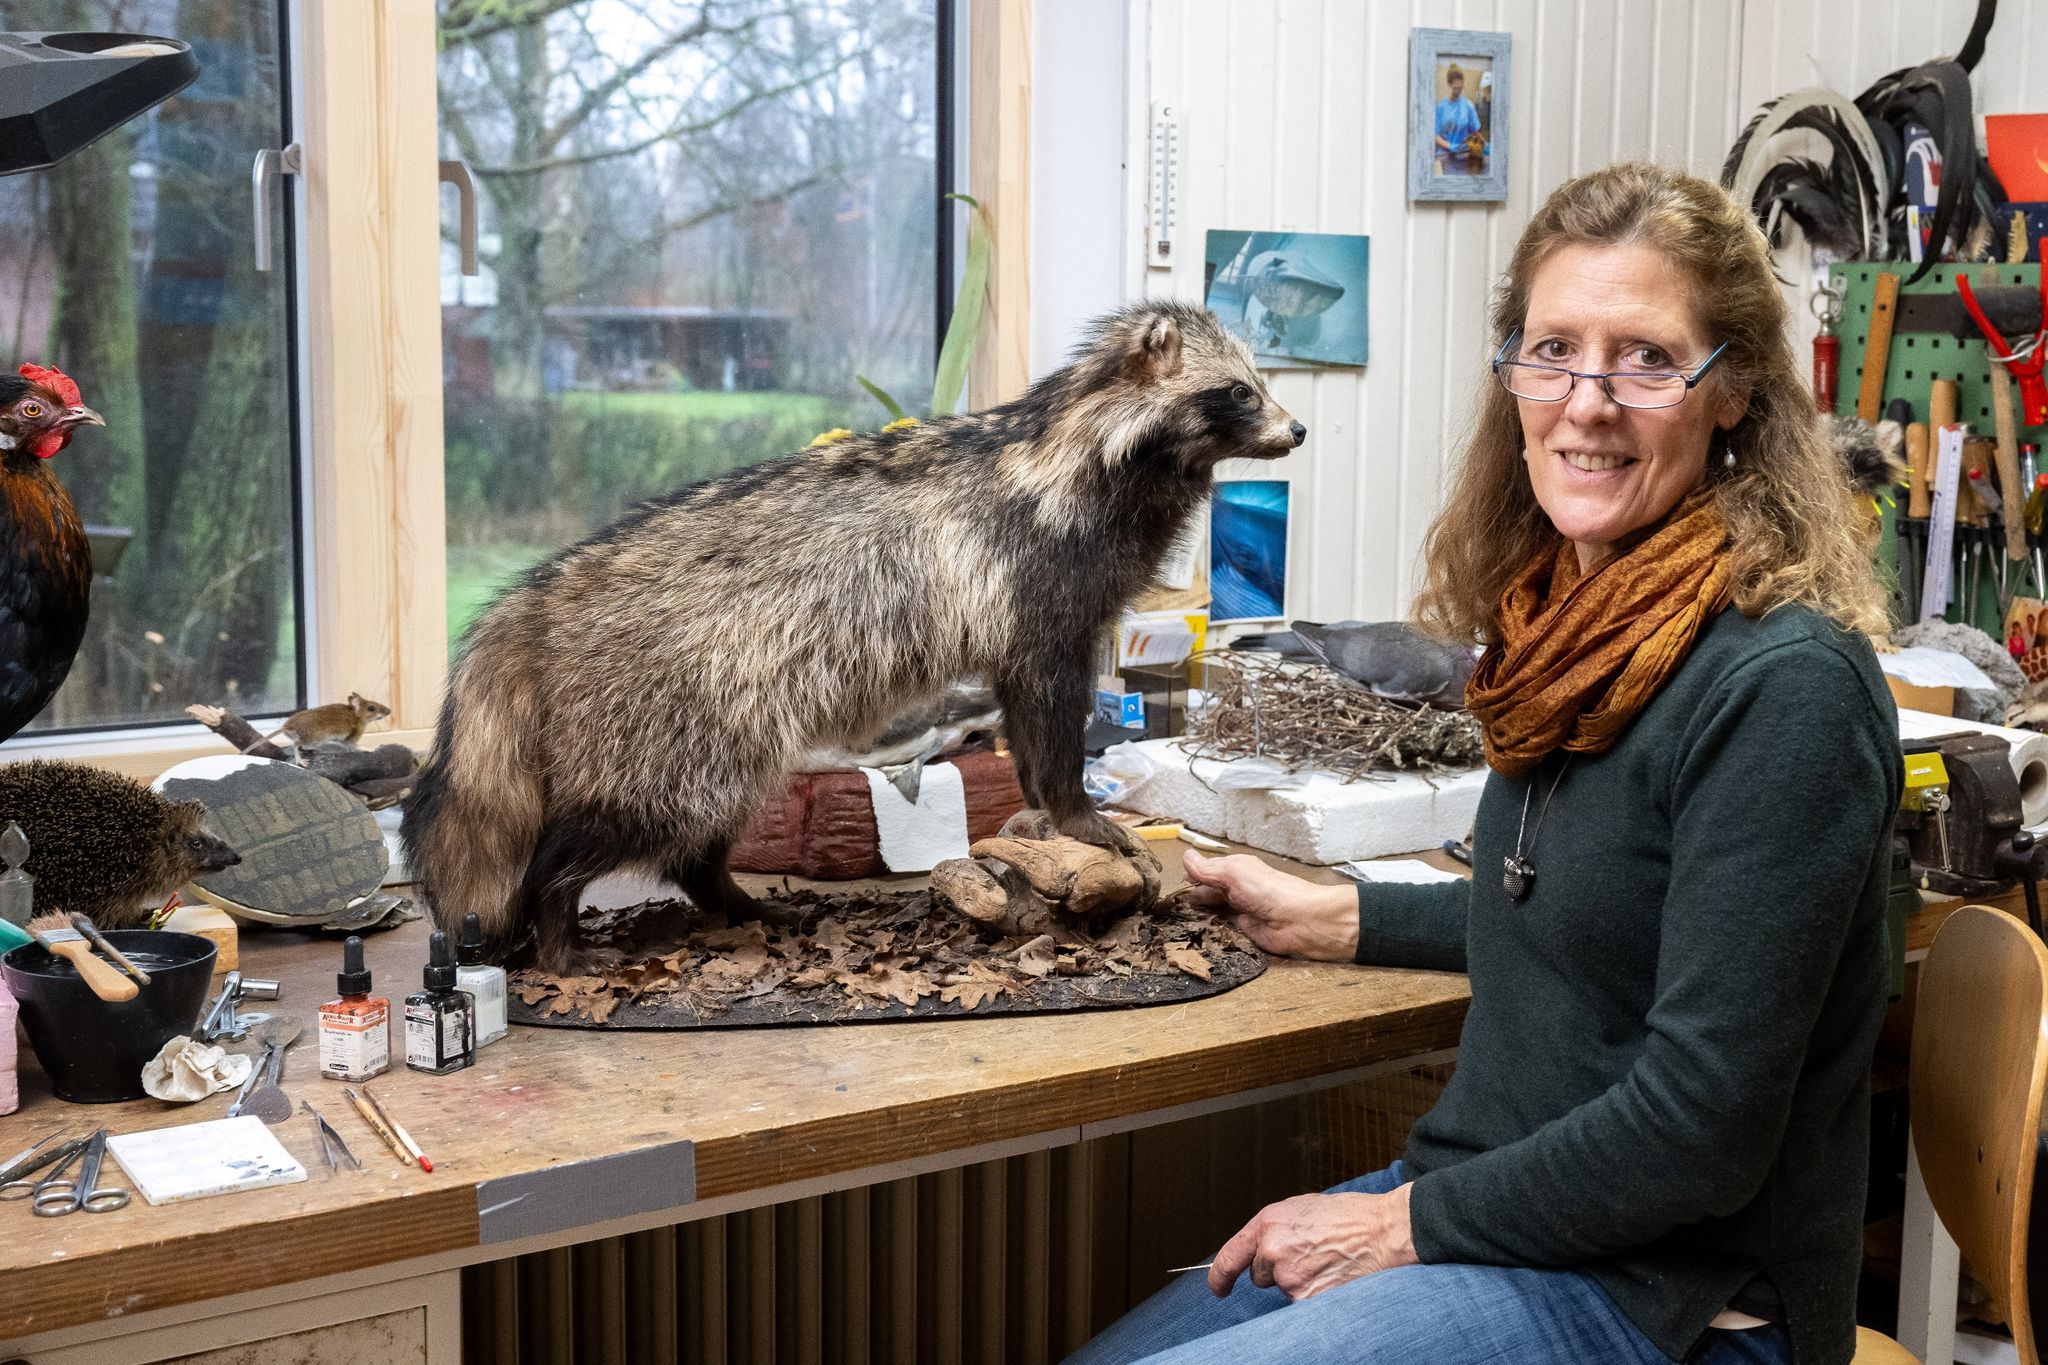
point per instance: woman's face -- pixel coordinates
(1603, 472)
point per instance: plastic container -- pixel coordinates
(92, 1049)
(10, 1091)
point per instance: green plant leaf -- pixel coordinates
(964, 331)
(894, 408)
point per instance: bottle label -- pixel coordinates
(355, 1046)
(486, 986)
(421, 1037)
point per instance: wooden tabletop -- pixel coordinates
(762, 1107)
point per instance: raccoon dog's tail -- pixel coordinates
(474, 815)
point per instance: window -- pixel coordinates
(130, 266)
(702, 225)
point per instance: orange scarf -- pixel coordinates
(1580, 655)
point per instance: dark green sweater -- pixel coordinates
(1663, 1080)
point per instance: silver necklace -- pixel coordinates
(1519, 874)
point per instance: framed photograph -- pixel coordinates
(1457, 114)
(1298, 298)
(1248, 550)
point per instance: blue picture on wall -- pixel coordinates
(1248, 550)
(1298, 298)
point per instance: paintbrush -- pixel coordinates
(63, 941)
(404, 1137)
(376, 1122)
(84, 925)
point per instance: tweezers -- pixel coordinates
(333, 1150)
(31, 1158)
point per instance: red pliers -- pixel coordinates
(2025, 364)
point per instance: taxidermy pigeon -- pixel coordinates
(1388, 658)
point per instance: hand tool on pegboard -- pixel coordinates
(1826, 303)
(1877, 347)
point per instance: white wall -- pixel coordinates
(1295, 116)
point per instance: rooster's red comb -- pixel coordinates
(55, 380)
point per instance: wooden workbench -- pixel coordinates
(760, 1111)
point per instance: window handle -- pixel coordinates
(457, 174)
(271, 162)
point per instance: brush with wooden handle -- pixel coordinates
(99, 977)
(84, 925)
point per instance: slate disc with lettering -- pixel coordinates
(309, 849)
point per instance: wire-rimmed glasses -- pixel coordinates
(1630, 388)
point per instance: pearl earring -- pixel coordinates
(1728, 458)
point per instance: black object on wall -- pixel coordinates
(63, 91)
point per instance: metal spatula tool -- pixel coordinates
(269, 1102)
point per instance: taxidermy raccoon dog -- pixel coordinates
(631, 700)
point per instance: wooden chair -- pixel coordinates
(1980, 1053)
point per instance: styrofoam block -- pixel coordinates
(1326, 821)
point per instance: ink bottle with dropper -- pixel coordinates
(355, 1029)
(440, 1021)
(484, 982)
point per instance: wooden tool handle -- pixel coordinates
(1942, 401)
(2009, 488)
(1920, 468)
(1877, 347)
(99, 977)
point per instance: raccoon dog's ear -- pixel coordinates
(1157, 355)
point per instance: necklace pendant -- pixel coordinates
(1517, 876)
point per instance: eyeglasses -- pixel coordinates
(1630, 388)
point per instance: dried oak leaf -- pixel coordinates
(1188, 960)
(600, 1009)
(725, 974)
(534, 993)
(982, 985)
(746, 946)
(1037, 958)
(887, 980)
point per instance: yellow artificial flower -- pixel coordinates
(826, 438)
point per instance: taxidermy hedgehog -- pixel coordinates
(631, 700)
(102, 844)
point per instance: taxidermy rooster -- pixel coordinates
(45, 562)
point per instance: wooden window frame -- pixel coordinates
(370, 347)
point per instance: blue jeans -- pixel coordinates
(1415, 1315)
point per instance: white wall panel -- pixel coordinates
(1295, 116)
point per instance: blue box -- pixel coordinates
(1120, 708)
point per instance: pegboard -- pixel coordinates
(1918, 359)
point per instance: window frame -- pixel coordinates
(369, 320)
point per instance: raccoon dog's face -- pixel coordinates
(190, 849)
(1199, 385)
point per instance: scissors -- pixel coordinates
(56, 1195)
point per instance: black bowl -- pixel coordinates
(94, 1049)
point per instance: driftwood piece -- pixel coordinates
(350, 766)
(236, 731)
(380, 792)
(1046, 886)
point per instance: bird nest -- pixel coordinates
(1310, 715)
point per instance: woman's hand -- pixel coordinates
(1283, 914)
(1314, 1242)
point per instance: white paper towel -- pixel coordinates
(917, 838)
(2029, 754)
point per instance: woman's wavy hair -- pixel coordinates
(1798, 533)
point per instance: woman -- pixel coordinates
(1654, 1147)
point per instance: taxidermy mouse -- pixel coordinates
(340, 720)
